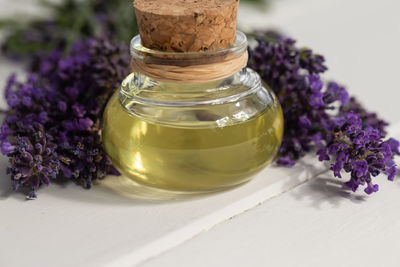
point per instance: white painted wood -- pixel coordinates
(68, 226)
(319, 223)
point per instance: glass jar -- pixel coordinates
(192, 137)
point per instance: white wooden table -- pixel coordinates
(284, 217)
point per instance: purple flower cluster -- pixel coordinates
(368, 118)
(359, 151)
(323, 116)
(53, 126)
(292, 74)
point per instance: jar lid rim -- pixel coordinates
(138, 51)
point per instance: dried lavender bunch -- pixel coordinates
(322, 116)
(52, 127)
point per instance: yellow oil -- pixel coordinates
(182, 158)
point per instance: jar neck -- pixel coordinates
(189, 67)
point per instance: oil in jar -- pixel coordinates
(179, 158)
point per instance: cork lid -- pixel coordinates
(186, 25)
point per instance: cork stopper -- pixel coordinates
(186, 25)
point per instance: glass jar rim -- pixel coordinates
(237, 49)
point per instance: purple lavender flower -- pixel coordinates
(394, 145)
(322, 116)
(52, 127)
(360, 152)
(285, 161)
(292, 74)
(367, 117)
(33, 157)
(335, 92)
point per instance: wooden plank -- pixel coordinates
(101, 227)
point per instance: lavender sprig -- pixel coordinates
(322, 116)
(359, 151)
(33, 157)
(52, 127)
(287, 69)
(368, 118)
